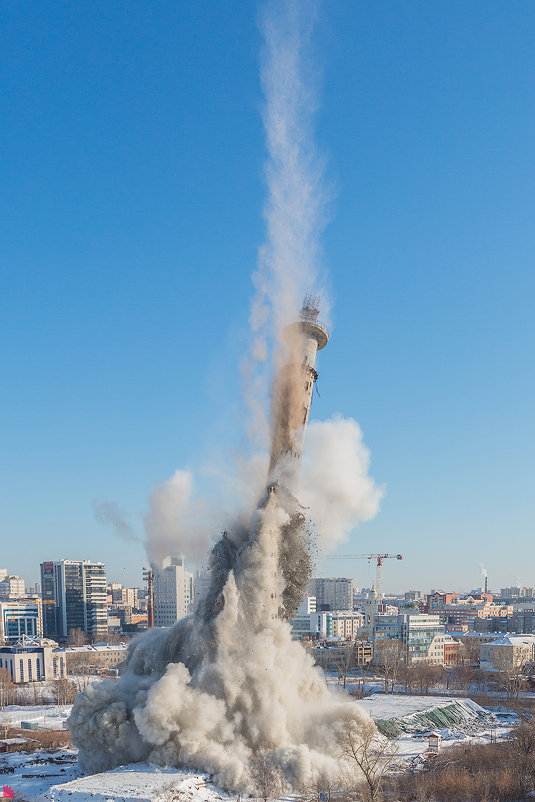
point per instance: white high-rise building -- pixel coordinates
(173, 591)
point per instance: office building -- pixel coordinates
(173, 591)
(20, 617)
(421, 637)
(74, 597)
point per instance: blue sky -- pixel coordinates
(132, 176)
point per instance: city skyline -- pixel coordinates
(132, 220)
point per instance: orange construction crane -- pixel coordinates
(379, 573)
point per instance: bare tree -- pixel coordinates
(522, 753)
(426, 675)
(77, 637)
(7, 688)
(469, 651)
(391, 656)
(265, 776)
(64, 691)
(345, 662)
(324, 788)
(367, 755)
(509, 668)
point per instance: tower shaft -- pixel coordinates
(292, 393)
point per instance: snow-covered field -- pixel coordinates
(50, 717)
(30, 775)
(138, 783)
(54, 776)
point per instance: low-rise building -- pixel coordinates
(33, 660)
(90, 658)
(349, 655)
(509, 652)
(451, 651)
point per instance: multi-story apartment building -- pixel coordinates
(420, 637)
(12, 587)
(346, 624)
(173, 591)
(74, 597)
(522, 622)
(20, 617)
(332, 594)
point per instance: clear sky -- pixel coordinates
(131, 214)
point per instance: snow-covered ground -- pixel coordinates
(55, 777)
(138, 783)
(30, 775)
(50, 717)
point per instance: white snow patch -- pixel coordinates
(138, 782)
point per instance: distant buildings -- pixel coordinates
(173, 591)
(458, 611)
(74, 597)
(127, 608)
(517, 593)
(332, 594)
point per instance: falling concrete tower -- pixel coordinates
(292, 393)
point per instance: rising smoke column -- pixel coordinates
(228, 682)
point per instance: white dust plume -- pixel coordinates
(334, 481)
(295, 209)
(482, 569)
(178, 521)
(228, 684)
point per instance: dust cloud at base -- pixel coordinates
(229, 682)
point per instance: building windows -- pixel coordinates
(21, 668)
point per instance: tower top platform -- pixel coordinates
(308, 324)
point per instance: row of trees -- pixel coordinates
(61, 691)
(420, 676)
